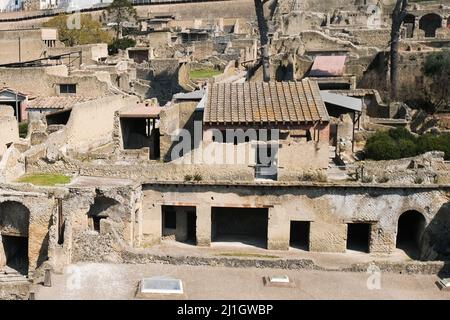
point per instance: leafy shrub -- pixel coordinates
(311, 176)
(383, 179)
(198, 177)
(23, 129)
(367, 179)
(122, 44)
(418, 180)
(400, 143)
(437, 62)
(188, 177)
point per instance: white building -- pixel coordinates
(80, 4)
(48, 4)
(11, 5)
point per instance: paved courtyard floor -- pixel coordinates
(119, 281)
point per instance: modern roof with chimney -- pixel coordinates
(264, 102)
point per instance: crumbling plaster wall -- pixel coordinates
(118, 231)
(49, 79)
(41, 205)
(9, 130)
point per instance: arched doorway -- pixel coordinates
(430, 23)
(409, 23)
(410, 228)
(14, 224)
(102, 208)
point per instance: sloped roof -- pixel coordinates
(11, 90)
(342, 100)
(328, 66)
(56, 102)
(264, 102)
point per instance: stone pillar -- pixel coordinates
(151, 223)
(416, 28)
(181, 233)
(278, 229)
(328, 236)
(444, 23)
(203, 232)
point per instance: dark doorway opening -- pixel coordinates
(16, 253)
(58, 118)
(244, 225)
(140, 133)
(411, 226)
(299, 235)
(409, 23)
(358, 236)
(102, 208)
(179, 223)
(430, 23)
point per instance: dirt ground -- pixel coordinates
(119, 281)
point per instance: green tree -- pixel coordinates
(90, 30)
(400, 143)
(437, 69)
(120, 11)
(382, 147)
(398, 16)
(121, 44)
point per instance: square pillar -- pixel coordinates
(278, 228)
(151, 224)
(381, 240)
(203, 225)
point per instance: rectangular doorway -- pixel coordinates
(240, 225)
(179, 223)
(299, 235)
(358, 236)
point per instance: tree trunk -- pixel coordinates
(264, 38)
(398, 15)
(394, 63)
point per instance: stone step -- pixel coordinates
(13, 278)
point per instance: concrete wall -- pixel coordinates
(24, 79)
(31, 45)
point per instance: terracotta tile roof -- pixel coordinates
(56, 102)
(264, 102)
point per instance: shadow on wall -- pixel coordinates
(43, 251)
(162, 85)
(436, 237)
(189, 126)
